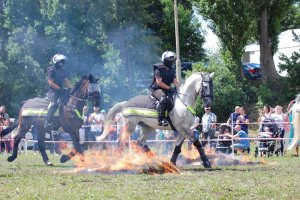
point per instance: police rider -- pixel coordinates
(57, 80)
(164, 76)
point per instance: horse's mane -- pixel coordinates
(77, 85)
(297, 98)
(192, 77)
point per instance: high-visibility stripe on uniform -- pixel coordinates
(36, 112)
(143, 112)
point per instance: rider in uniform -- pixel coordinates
(57, 79)
(164, 76)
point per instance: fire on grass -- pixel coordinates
(191, 157)
(131, 159)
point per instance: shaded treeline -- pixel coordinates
(117, 40)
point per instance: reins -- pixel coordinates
(77, 98)
(190, 108)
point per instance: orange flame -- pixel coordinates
(132, 159)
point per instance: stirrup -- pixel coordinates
(163, 123)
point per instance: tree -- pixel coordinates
(190, 31)
(231, 21)
(226, 93)
(292, 66)
(270, 14)
(234, 22)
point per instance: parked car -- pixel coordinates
(252, 71)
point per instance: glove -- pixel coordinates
(61, 91)
(172, 90)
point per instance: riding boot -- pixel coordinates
(49, 119)
(161, 114)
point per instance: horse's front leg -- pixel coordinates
(177, 149)
(201, 151)
(145, 131)
(78, 148)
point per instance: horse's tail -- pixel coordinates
(109, 119)
(9, 129)
(296, 124)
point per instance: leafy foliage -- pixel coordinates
(292, 66)
(117, 40)
(227, 94)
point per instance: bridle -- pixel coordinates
(205, 78)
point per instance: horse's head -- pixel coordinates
(86, 89)
(204, 89)
(94, 91)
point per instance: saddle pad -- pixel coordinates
(142, 106)
(36, 107)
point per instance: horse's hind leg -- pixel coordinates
(145, 132)
(177, 149)
(203, 156)
(20, 134)
(77, 146)
(41, 143)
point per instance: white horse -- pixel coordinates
(181, 116)
(295, 109)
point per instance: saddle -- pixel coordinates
(146, 106)
(39, 106)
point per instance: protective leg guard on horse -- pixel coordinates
(147, 150)
(203, 157)
(176, 152)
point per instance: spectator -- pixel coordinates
(265, 114)
(119, 124)
(279, 117)
(168, 135)
(195, 131)
(233, 116)
(103, 112)
(86, 124)
(243, 139)
(96, 120)
(4, 123)
(161, 142)
(243, 119)
(292, 127)
(208, 122)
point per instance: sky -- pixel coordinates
(211, 40)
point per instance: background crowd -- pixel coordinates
(205, 128)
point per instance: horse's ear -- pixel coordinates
(84, 77)
(212, 75)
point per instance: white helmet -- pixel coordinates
(168, 56)
(58, 57)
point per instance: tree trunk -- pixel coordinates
(269, 72)
(1, 7)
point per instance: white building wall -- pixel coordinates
(286, 46)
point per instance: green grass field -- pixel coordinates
(29, 178)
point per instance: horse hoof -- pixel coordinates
(64, 158)
(174, 163)
(206, 164)
(48, 163)
(11, 158)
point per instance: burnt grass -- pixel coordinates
(261, 178)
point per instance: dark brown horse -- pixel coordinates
(33, 113)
